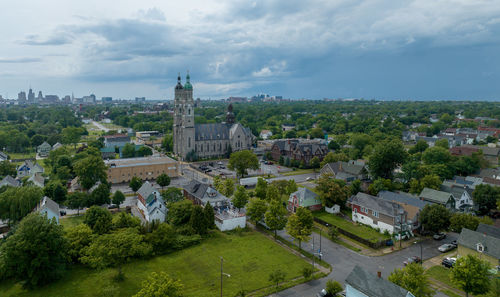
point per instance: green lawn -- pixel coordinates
(441, 274)
(359, 230)
(21, 155)
(71, 221)
(298, 172)
(248, 258)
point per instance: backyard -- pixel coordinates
(248, 258)
(356, 229)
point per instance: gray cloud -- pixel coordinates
(20, 60)
(51, 41)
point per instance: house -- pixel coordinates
(303, 198)
(265, 134)
(431, 141)
(483, 245)
(28, 168)
(286, 128)
(56, 146)
(3, 156)
(301, 151)
(146, 168)
(490, 154)
(361, 283)
(48, 207)
(227, 217)
(108, 152)
(489, 230)
(37, 179)
(116, 140)
(438, 197)
(462, 194)
(44, 149)
(378, 213)
(411, 204)
(10, 181)
(346, 171)
(74, 185)
(150, 203)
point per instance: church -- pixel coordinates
(194, 141)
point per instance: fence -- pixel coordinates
(373, 245)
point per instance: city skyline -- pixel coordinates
(321, 49)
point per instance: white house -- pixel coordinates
(37, 179)
(28, 168)
(150, 203)
(265, 134)
(362, 283)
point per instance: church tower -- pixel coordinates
(184, 141)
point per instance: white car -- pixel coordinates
(446, 247)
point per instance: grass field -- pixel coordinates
(359, 230)
(21, 155)
(248, 258)
(68, 222)
(298, 172)
(441, 274)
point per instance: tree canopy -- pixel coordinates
(243, 160)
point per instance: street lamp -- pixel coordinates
(222, 274)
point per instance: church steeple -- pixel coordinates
(230, 114)
(179, 84)
(188, 85)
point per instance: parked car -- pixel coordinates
(446, 247)
(439, 236)
(322, 293)
(448, 262)
(62, 212)
(413, 259)
(454, 242)
(309, 178)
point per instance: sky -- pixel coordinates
(372, 49)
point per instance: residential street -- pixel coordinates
(343, 261)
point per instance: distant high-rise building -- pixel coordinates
(140, 99)
(66, 99)
(107, 99)
(51, 98)
(31, 96)
(89, 99)
(40, 96)
(21, 97)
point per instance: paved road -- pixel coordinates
(99, 126)
(299, 178)
(343, 261)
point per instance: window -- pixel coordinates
(189, 142)
(375, 213)
(355, 210)
(480, 247)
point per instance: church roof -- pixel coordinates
(211, 131)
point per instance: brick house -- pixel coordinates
(293, 149)
(304, 198)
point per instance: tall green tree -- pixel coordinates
(276, 216)
(261, 188)
(208, 212)
(16, 203)
(198, 220)
(135, 183)
(172, 194)
(78, 237)
(300, 224)
(333, 287)
(228, 187)
(463, 220)
(242, 161)
(90, 170)
(128, 150)
(485, 198)
(273, 193)
(36, 253)
(412, 278)
(7, 168)
(256, 209)
(98, 219)
(276, 277)
(72, 135)
(240, 198)
(471, 274)
(330, 192)
(77, 200)
(435, 218)
(179, 213)
(387, 156)
(163, 180)
(100, 195)
(118, 198)
(160, 284)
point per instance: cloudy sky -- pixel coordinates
(422, 49)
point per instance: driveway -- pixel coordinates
(343, 261)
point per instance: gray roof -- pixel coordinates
(371, 285)
(350, 167)
(470, 239)
(3, 156)
(211, 131)
(488, 230)
(306, 197)
(9, 180)
(48, 203)
(146, 189)
(389, 208)
(205, 193)
(490, 172)
(435, 196)
(403, 198)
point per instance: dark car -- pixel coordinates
(439, 236)
(448, 262)
(62, 212)
(413, 259)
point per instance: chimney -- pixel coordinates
(379, 274)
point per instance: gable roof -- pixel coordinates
(205, 193)
(211, 131)
(46, 202)
(435, 196)
(352, 167)
(145, 190)
(306, 197)
(470, 239)
(9, 180)
(488, 230)
(45, 144)
(371, 285)
(403, 198)
(3, 156)
(389, 208)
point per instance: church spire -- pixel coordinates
(179, 84)
(188, 85)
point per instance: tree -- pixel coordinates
(128, 150)
(71, 135)
(125, 220)
(471, 274)
(36, 252)
(179, 213)
(198, 221)
(355, 187)
(243, 160)
(163, 180)
(208, 212)
(240, 198)
(412, 278)
(55, 191)
(435, 218)
(494, 288)
(276, 216)
(273, 193)
(135, 183)
(256, 209)
(7, 168)
(334, 157)
(419, 147)
(162, 238)
(118, 198)
(90, 170)
(333, 287)
(291, 187)
(228, 188)
(115, 249)
(431, 181)
(98, 219)
(307, 272)
(436, 155)
(100, 195)
(168, 143)
(144, 151)
(463, 220)
(276, 277)
(300, 225)
(485, 198)
(261, 188)
(16, 203)
(78, 237)
(333, 232)
(172, 194)
(330, 192)
(387, 156)
(443, 142)
(315, 162)
(333, 145)
(160, 284)
(77, 200)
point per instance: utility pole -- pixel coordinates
(221, 274)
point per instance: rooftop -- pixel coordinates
(372, 285)
(471, 239)
(139, 161)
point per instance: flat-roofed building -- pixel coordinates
(147, 168)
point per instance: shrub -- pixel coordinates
(307, 272)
